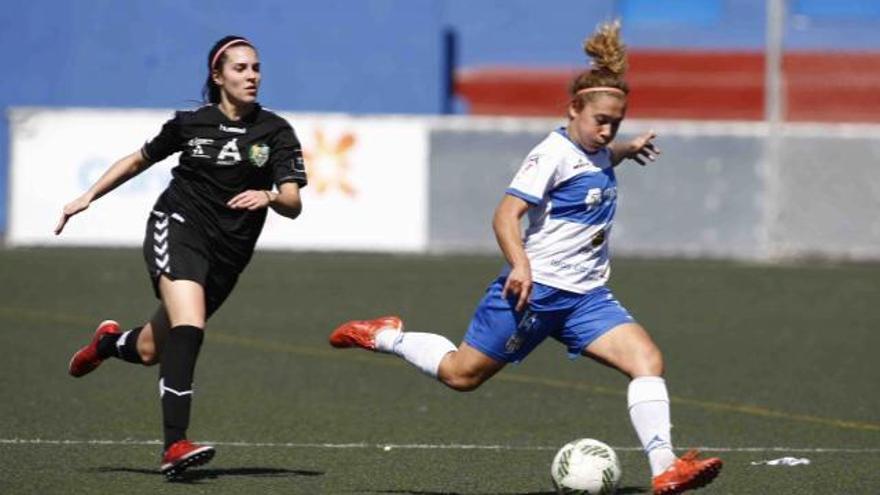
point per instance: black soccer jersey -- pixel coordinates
(219, 159)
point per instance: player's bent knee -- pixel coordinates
(466, 369)
(149, 357)
(148, 352)
(463, 385)
(463, 382)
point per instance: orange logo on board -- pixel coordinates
(327, 164)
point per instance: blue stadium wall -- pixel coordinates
(355, 56)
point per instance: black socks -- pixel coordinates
(121, 346)
(176, 369)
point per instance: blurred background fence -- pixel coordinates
(439, 100)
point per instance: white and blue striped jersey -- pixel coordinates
(573, 196)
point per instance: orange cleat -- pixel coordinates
(687, 473)
(362, 333)
(182, 455)
(85, 360)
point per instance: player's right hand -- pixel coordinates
(70, 209)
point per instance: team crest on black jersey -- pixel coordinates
(259, 154)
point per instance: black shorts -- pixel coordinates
(182, 252)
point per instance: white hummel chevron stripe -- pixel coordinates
(178, 393)
(163, 389)
(160, 236)
(178, 217)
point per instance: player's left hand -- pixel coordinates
(519, 285)
(249, 200)
(642, 148)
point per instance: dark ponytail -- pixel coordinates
(216, 57)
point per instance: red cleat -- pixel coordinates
(182, 455)
(85, 360)
(362, 333)
(687, 473)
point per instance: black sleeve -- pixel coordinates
(168, 142)
(286, 159)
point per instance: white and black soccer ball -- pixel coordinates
(586, 467)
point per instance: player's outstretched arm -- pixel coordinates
(641, 149)
(118, 173)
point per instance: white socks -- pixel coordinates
(649, 412)
(422, 350)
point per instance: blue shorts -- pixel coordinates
(575, 320)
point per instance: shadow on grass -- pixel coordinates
(196, 475)
(628, 490)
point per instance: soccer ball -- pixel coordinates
(585, 467)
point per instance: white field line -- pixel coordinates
(422, 446)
